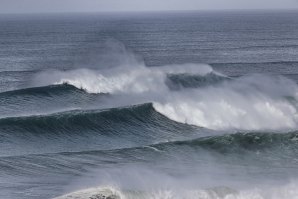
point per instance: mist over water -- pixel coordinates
(177, 105)
(253, 102)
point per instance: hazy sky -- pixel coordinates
(30, 6)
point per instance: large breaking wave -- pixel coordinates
(287, 191)
(192, 93)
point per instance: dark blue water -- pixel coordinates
(149, 105)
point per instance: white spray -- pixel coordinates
(255, 102)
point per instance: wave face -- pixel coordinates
(101, 129)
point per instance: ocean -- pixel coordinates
(160, 105)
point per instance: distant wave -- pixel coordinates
(276, 144)
(238, 143)
(173, 81)
(259, 148)
(182, 81)
(42, 91)
(127, 79)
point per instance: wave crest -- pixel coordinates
(126, 79)
(247, 103)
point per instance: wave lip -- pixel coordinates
(42, 90)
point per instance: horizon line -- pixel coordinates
(154, 11)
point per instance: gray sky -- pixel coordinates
(33, 6)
